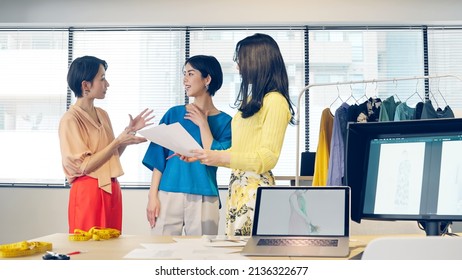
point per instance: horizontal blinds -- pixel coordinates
(32, 99)
(343, 55)
(145, 71)
(445, 57)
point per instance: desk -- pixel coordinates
(117, 248)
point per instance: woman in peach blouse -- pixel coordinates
(90, 151)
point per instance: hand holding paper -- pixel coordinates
(173, 137)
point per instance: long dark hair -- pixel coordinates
(262, 70)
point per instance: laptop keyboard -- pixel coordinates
(298, 242)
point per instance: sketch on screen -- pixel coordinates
(299, 220)
(400, 185)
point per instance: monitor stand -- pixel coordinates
(434, 228)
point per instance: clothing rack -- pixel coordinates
(307, 87)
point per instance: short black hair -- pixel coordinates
(208, 65)
(82, 69)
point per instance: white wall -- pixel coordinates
(249, 12)
(27, 213)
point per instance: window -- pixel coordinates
(145, 71)
(32, 99)
(445, 57)
(365, 55)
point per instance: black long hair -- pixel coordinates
(262, 70)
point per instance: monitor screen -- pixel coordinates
(413, 176)
(410, 170)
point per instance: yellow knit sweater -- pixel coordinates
(257, 140)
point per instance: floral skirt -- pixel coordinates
(240, 204)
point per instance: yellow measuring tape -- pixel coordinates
(94, 233)
(24, 248)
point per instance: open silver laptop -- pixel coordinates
(300, 221)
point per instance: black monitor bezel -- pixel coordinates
(359, 136)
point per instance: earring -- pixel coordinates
(206, 87)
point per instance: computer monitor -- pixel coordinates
(406, 170)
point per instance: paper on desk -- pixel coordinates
(183, 248)
(224, 241)
(145, 254)
(173, 137)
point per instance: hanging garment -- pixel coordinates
(418, 110)
(367, 111)
(387, 109)
(373, 109)
(337, 147)
(321, 163)
(404, 112)
(429, 112)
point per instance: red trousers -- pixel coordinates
(90, 206)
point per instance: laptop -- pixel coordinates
(300, 221)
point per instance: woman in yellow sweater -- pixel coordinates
(258, 128)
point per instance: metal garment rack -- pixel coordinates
(303, 92)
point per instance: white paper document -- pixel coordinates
(173, 137)
(186, 249)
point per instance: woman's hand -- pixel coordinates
(208, 157)
(196, 115)
(187, 159)
(128, 138)
(153, 210)
(140, 121)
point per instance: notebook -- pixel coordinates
(300, 221)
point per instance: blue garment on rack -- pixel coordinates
(429, 112)
(337, 147)
(404, 112)
(388, 109)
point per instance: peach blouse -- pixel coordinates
(80, 137)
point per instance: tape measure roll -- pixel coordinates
(24, 248)
(94, 233)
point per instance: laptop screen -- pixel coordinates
(302, 211)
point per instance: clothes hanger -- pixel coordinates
(338, 98)
(434, 98)
(364, 97)
(415, 93)
(396, 91)
(352, 96)
(439, 92)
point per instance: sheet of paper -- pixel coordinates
(145, 254)
(186, 249)
(173, 137)
(224, 241)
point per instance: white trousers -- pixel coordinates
(190, 214)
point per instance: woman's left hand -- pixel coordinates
(196, 115)
(140, 121)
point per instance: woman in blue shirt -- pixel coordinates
(184, 197)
